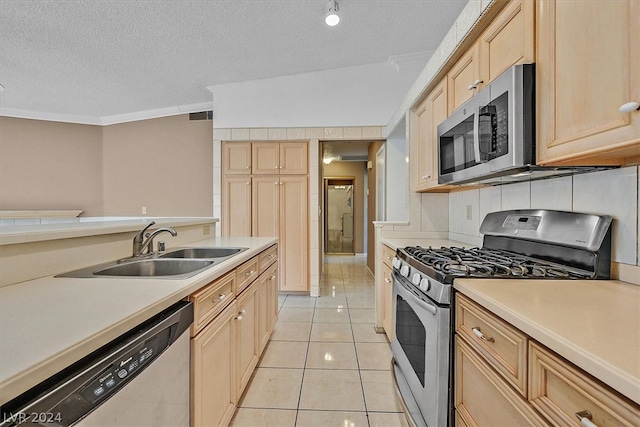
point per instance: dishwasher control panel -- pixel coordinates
(125, 368)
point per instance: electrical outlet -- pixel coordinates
(206, 230)
(469, 212)
(144, 210)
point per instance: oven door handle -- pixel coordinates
(408, 295)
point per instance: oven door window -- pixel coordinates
(411, 335)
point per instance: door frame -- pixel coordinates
(348, 180)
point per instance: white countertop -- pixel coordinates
(94, 227)
(48, 323)
(592, 323)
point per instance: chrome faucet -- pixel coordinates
(142, 241)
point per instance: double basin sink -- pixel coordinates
(174, 264)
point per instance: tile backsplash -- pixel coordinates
(612, 192)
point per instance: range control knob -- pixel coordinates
(396, 262)
(416, 279)
(425, 284)
(405, 271)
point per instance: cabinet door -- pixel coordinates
(236, 211)
(293, 158)
(435, 111)
(484, 399)
(509, 40)
(266, 212)
(236, 158)
(387, 303)
(462, 78)
(293, 244)
(265, 158)
(247, 339)
(213, 367)
(587, 67)
(268, 296)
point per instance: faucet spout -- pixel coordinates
(138, 238)
(148, 242)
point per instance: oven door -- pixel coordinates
(421, 352)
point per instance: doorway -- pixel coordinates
(339, 220)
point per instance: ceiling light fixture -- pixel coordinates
(332, 18)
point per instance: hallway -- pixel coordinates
(324, 364)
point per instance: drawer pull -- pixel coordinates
(387, 280)
(271, 256)
(388, 257)
(585, 418)
(272, 278)
(477, 332)
(242, 313)
(249, 273)
(220, 298)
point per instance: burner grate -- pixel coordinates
(483, 262)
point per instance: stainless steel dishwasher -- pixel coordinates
(139, 379)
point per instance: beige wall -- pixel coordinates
(50, 165)
(357, 170)
(164, 164)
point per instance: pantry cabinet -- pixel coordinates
(236, 158)
(588, 66)
(273, 204)
(229, 334)
(289, 158)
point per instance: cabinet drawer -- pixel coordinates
(210, 300)
(247, 273)
(559, 390)
(482, 398)
(503, 346)
(387, 255)
(267, 257)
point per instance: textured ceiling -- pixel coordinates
(99, 58)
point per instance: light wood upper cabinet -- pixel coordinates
(236, 211)
(464, 78)
(428, 116)
(236, 158)
(588, 65)
(509, 40)
(279, 158)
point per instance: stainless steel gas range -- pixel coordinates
(521, 244)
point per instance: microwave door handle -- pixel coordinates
(476, 135)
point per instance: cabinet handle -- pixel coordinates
(271, 256)
(272, 278)
(388, 257)
(220, 298)
(387, 280)
(247, 167)
(630, 107)
(585, 418)
(249, 273)
(475, 84)
(477, 332)
(426, 176)
(242, 313)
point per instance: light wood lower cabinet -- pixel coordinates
(560, 391)
(505, 378)
(226, 347)
(387, 302)
(483, 398)
(213, 367)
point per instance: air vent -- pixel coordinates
(354, 158)
(202, 115)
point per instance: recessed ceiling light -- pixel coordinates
(332, 18)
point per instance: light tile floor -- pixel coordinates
(325, 365)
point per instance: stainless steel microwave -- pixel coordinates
(493, 133)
